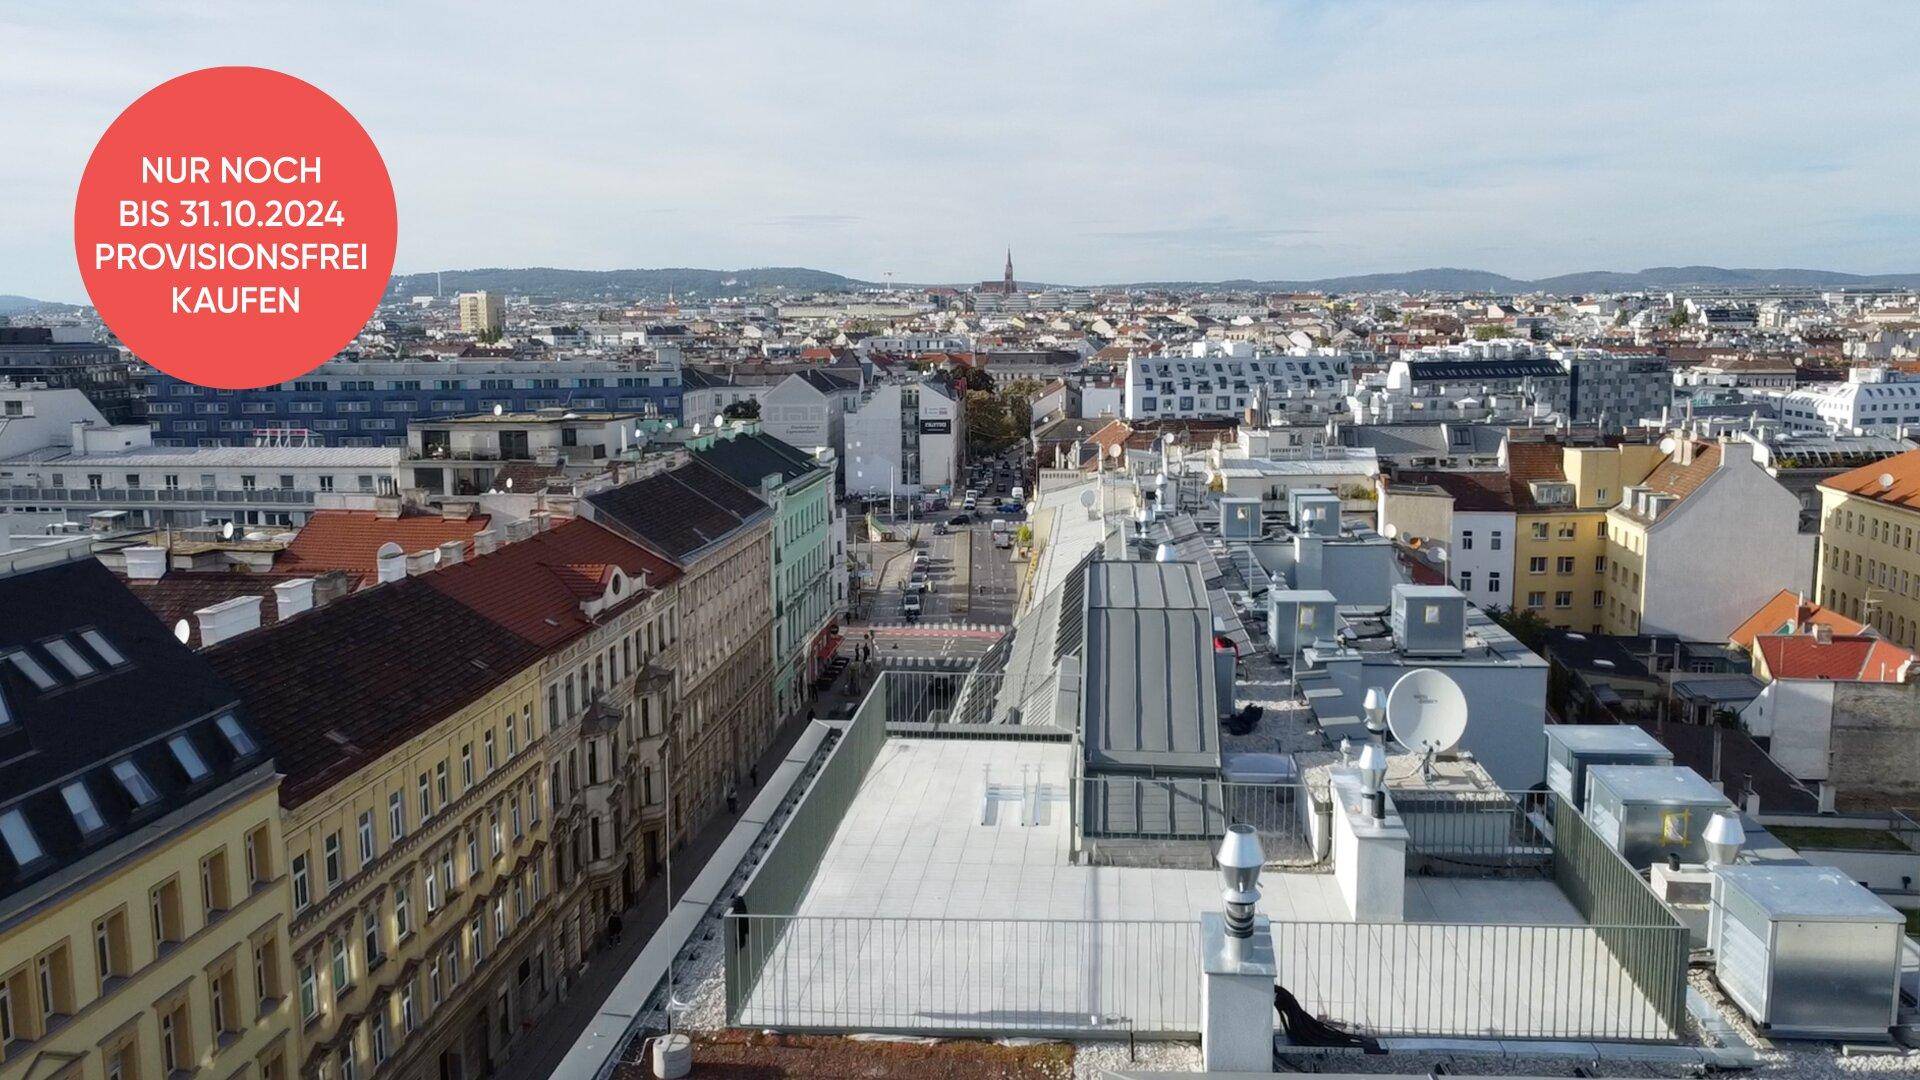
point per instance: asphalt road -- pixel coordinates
(969, 580)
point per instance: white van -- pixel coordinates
(1019, 493)
(1002, 538)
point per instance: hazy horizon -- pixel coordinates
(1103, 143)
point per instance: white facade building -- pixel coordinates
(808, 409)
(1873, 400)
(1223, 379)
(906, 438)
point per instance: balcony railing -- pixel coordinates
(277, 496)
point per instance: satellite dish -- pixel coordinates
(1886, 481)
(1667, 445)
(1426, 711)
(1115, 451)
(226, 530)
(388, 550)
(1087, 498)
(1391, 530)
(499, 409)
(719, 421)
(509, 482)
(183, 630)
(696, 429)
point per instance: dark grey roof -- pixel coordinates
(681, 513)
(1531, 367)
(1150, 700)
(692, 378)
(136, 688)
(747, 457)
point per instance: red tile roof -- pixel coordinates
(1789, 609)
(1530, 461)
(1855, 657)
(1674, 478)
(1471, 491)
(534, 587)
(350, 539)
(1903, 469)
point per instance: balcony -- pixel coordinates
(157, 496)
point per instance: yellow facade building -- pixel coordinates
(1561, 495)
(1869, 562)
(143, 895)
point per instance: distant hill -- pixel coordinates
(616, 285)
(624, 284)
(23, 305)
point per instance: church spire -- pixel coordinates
(1008, 279)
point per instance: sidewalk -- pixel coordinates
(541, 1050)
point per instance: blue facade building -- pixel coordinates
(347, 403)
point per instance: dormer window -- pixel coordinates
(135, 782)
(31, 668)
(69, 657)
(189, 758)
(80, 802)
(19, 838)
(102, 647)
(237, 737)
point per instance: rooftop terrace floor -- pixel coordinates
(907, 926)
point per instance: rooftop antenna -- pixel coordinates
(1427, 712)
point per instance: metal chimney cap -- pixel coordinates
(1166, 553)
(1240, 859)
(1724, 837)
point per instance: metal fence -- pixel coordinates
(1478, 829)
(1471, 980)
(1114, 811)
(1642, 933)
(1050, 977)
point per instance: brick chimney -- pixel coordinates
(331, 586)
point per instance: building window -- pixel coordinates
(342, 972)
(466, 767)
(440, 782)
(110, 947)
(426, 799)
(397, 817)
(1466, 540)
(215, 893)
(1563, 564)
(1539, 530)
(163, 906)
(1536, 599)
(1493, 541)
(492, 763)
(1493, 582)
(330, 860)
(366, 838)
(1537, 564)
(1466, 581)
(302, 895)
(1563, 599)
(402, 912)
(309, 992)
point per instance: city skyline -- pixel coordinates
(1277, 141)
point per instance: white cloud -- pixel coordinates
(1103, 142)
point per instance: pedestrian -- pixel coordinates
(613, 928)
(753, 771)
(733, 800)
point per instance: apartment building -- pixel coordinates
(68, 358)
(809, 408)
(719, 535)
(1868, 567)
(906, 438)
(471, 455)
(1561, 495)
(482, 314)
(143, 893)
(1471, 513)
(371, 403)
(1701, 543)
(602, 610)
(804, 604)
(416, 816)
(1871, 400)
(1225, 379)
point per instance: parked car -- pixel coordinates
(910, 608)
(960, 519)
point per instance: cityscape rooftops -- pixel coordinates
(1866, 481)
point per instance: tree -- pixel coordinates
(1489, 333)
(1679, 316)
(1524, 624)
(744, 409)
(989, 425)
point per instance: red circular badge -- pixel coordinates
(235, 227)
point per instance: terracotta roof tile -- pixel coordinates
(1471, 491)
(350, 539)
(1789, 609)
(1674, 478)
(534, 587)
(1904, 469)
(1856, 657)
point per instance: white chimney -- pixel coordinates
(228, 618)
(392, 563)
(452, 552)
(423, 561)
(541, 519)
(146, 563)
(484, 542)
(290, 598)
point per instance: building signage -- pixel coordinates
(936, 427)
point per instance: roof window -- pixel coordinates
(189, 757)
(237, 736)
(19, 838)
(85, 813)
(102, 647)
(131, 778)
(69, 657)
(31, 668)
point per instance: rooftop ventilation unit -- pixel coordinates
(1649, 812)
(1806, 951)
(1429, 620)
(1296, 618)
(1240, 519)
(1573, 748)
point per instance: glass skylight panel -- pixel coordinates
(131, 778)
(80, 801)
(19, 837)
(99, 643)
(32, 670)
(6, 713)
(69, 657)
(188, 756)
(237, 736)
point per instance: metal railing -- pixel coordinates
(1642, 933)
(1051, 977)
(1478, 980)
(270, 495)
(1120, 810)
(1478, 829)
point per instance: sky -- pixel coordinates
(1102, 142)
